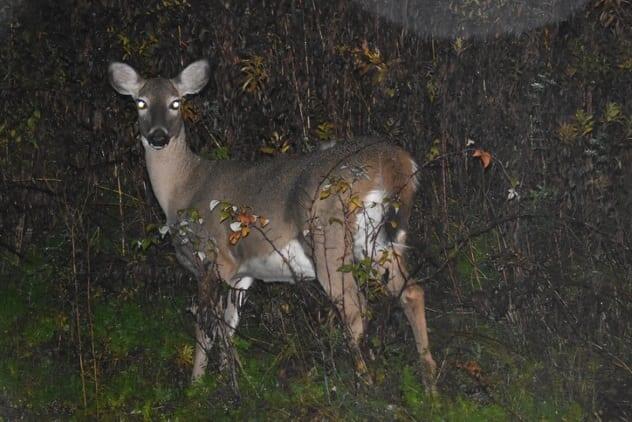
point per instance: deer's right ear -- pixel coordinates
(124, 79)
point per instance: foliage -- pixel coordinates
(521, 230)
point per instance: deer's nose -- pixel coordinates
(158, 138)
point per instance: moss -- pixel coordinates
(39, 330)
(127, 327)
(412, 390)
(12, 309)
(33, 383)
(473, 264)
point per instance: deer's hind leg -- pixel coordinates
(202, 345)
(329, 254)
(412, 300)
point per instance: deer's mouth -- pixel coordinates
(155, 144)
(159, 145)
(157, 139)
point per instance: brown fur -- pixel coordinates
(289, 192)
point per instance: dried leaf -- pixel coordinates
(234, 237)
(472, 368)
(484, 156)
(245, 218)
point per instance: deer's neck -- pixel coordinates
(172, 172)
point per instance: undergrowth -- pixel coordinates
(136, 363)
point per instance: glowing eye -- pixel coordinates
(142, 105)
(175, 105)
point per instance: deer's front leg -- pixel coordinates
(204, 323)
(218, 315)
(229, 306)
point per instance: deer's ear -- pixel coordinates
(124, 79)
(193, 78)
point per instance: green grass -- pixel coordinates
(143, 344)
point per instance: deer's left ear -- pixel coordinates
(193, 78)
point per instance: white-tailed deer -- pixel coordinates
(285, 219)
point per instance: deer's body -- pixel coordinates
(309, 235)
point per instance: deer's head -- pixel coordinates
(158, 100)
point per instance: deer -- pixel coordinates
(288, 219)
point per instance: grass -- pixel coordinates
(143, 347)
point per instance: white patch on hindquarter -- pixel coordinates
(370, 236)
(415, 173)
(274, 267)
(400, 238)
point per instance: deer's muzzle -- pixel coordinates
(158, 138)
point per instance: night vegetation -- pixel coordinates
(519, 114)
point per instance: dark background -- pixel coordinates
(529, 298)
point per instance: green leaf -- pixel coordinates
(347, 268)
(612, 113)
(194, 214)
(221, 153)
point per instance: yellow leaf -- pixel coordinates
(343, 186)
(384, 258)
(234, 237)
(355, 203)
(185, 355)
(333, 220)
